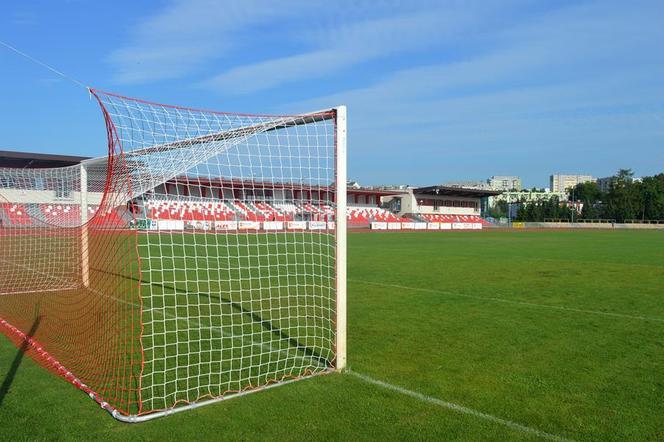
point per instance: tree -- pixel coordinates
(625, 175)
(591, 196)
(652, 197)
(499, 210)
(627, 199)
(623, 200)
(588, 192)
(591, 211)
(538, 211)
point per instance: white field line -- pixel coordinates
(50, 277)
(509, 301)
(458, 408)
(554, 260)
(40, 290)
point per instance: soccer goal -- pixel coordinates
(202, 259)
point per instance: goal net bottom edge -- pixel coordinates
(27, 345)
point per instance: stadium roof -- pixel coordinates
(455, 191)
(30, 160)
(39, 160)
(256, 184)
(369, 191)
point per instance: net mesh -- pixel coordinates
(196, 261)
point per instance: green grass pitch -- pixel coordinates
(558, 331)
(224, 312)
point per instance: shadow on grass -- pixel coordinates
(265, 324)
(11, 374)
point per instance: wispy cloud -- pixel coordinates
(510, 82)
(348, 44)
(261, 43)
(575, 80)
(24, 18)
(187, 33)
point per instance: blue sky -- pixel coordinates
(437, 91)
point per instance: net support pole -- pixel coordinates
(340, 137)
(85, 264)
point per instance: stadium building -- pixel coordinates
(199, 203)
(450, 207)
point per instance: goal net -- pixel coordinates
(203, 258)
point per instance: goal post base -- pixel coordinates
(133, 419)
(36, 351)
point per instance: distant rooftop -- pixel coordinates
(455, 191)
(29, 160)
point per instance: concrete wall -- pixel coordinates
(589, 226)
(46, 197)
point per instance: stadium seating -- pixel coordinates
(12, 214)
(359, 216)
(439, 218)
(15, 215)
(327, 210)
(110, 219)
(192, 210)
(240, 210)
(271, 213)
(288, 209)
(61, 214)
(215, 210)
(308, 207)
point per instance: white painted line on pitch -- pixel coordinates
(509, 301)
(470, 256)
(458, 408)
(51, 277)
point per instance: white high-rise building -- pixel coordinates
(560, 183)
(507, 183)
(605, 183)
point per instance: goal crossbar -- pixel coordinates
(242, 132)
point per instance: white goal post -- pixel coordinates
(341, 182)
(204, 258)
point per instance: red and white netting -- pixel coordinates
(195, 261)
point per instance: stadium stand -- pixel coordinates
(270, 213)
(236, 210)
(25, 215)
(61, 214)
(361, 216)
(217, 210)
(437, 218)
(193, 211)
(225, 200)
(15, 214)
(288, 209)
(260, 211)
(442, 204)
